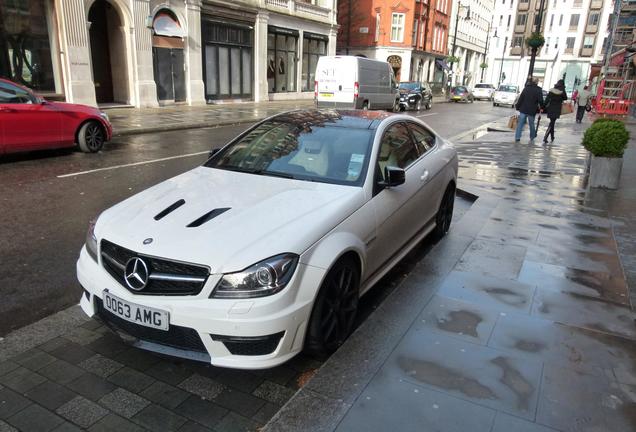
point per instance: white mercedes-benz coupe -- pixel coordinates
(265, 249)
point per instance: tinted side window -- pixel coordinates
(397, 148)
(10, 94)
(424, 139)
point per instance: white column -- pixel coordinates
(144, 75)
(333, 36)
(77, 59)
(194, 62)
(260, 57)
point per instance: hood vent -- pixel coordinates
(169, 210)
(208, 216)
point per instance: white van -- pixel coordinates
(355, 82)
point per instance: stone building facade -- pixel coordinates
(146, 53)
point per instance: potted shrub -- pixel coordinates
(535, 40)
(606, 140)
(484, 65)
(452, 59)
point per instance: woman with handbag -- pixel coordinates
(553, 102)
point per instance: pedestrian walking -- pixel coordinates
(552, 107)
(584, 100)
(575, 96)
(529, 103)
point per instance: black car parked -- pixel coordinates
(415, 95)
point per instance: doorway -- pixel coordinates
(168, 58)
(108, 53)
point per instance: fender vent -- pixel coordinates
(208, 216)
(169, 209)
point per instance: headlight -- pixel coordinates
(104, 116)
(91, 240)
(259, 280)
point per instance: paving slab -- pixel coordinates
(492, 259)
(574, 401)
(34, 418)
(390, 403)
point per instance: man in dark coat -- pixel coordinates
(552, 107)
(529, 102)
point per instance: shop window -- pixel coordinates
(25, 44)
(314, 46)
(227, 60)
(282, 48)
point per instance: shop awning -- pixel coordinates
(166, 25)
(441, 64)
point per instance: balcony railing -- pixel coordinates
(569, 50)
(300, 7)
(596, 4)
(515, 51)
(591, 29)
(587, 52)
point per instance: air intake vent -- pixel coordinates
(170, 209)
(208, 216)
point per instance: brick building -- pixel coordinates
(411, 35)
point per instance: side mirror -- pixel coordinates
(394, 176)
(213, 152)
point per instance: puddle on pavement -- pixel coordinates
(460, 322)
(434, 374)
(513, 379)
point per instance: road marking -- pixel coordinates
(132, 164)
(426, 115)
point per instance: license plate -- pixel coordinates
(457, 97)
(327, 95)
(138, 314)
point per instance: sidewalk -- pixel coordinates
(132, 121)
(519, 320)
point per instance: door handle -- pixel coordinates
(424, 176)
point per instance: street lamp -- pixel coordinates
(486, 50)
(503, 55)
(537, 29)
(459, 8)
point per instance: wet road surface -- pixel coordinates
(49, 197)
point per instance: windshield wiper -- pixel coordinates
(257, 171)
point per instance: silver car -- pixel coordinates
(506, 94)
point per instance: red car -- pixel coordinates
(29, 122)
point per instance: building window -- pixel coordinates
(500, 20)
(282, 48)
(397, 27)
(556, 42)
(27, 44)
(593, 19)
(561, 20)
(551, 21)
(517, 41)
(588, 42)
(604, 47)
(569, 44)
(314, 46)
(377, 27)
(546, 48)
(536, 20)
(414, 37)
(521, 20)
(508, 26)
(574, 21)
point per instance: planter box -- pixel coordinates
(605, 172)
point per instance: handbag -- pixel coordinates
(567, 108)
(588, 106)
(512, 121)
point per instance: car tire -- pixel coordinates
(91, 137)
(429, 105)
(495, 104)
(445, 213)
(365, 106)
(334, 312)
(418, 105)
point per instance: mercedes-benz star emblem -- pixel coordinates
(148, 241)
(136, 274)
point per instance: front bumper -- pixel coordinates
(217, 322)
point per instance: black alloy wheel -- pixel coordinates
(418, 106)
(444, 215)
(335, 309)
(91, 137)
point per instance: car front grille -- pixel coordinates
(182, 338)
(165, 277)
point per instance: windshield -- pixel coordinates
(409, 85)
(459, 89)
(328, 154)
(508, 88)
(488, 86)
